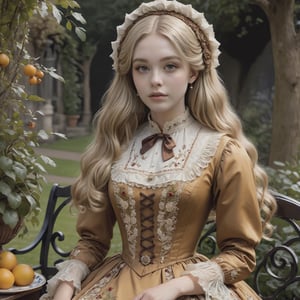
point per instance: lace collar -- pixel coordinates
(195, 147)
(179, 122)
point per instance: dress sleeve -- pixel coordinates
(95, 229)
(238, 220)
(238, 223)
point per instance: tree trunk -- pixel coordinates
(285, 143)
(86, 67)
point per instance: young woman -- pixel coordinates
(168, 150)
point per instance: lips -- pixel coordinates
(157, 95)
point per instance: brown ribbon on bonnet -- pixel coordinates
(167, 145)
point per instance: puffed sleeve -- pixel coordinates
(95, 229)
(238, 220)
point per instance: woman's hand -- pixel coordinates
(64, 291)
(171, 290)
(160, 292)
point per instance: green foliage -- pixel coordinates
(70, 68)
(21, 169)
(257, 122)
(21, 172)
(285, 177)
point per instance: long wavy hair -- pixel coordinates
(123, 112)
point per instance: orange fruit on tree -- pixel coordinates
(33, 80)
(23, 274)
(31, 124)
(4, 60)
(7, 278)
(8, 260)
(39, 74)
(29, 70)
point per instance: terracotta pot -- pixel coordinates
(7, 233)
(72, 120)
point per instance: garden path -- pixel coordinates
(61, 155)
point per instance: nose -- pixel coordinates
(156, 78)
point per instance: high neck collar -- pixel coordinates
(171, 126)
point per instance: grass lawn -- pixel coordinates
(67, 219)
(64, 167)
(75, 144)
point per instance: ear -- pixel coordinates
(193, 76)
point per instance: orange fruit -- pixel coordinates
(33, 80)
(24, 274)
(31, 124)
(4, 60)
(39, 74)
(29, 70)
(7, 279)
(8, 260)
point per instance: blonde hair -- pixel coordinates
(122, 113)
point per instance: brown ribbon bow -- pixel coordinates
(167, 145)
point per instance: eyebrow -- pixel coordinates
(163, 59)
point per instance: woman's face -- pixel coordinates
(161, 77)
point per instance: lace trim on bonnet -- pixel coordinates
(194, 19)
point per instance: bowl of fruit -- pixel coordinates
(17, 276)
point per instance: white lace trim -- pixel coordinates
(72, 270)
(211, 278)
(163, 5)
(195, 146)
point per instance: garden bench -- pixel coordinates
(276, 275)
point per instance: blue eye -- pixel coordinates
(141, 69)
(170, 67)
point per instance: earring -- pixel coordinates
(191, 86)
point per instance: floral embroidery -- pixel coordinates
(167, 217)
(96, 292)
(169, 273)
(126, 204)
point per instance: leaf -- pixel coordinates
(43, 135)
(4, 188)
(61, 135)
(10, 174)
(78, 17)
(40, 168)
(80, 31)
(56, 76)
(57, 14)
(14, 200)
(20, 170)
(10, 217)
(35, 98)
(5, 163)
(48, 161)
(43, 9)
(69, 25)
(31, 201)
(2, 207)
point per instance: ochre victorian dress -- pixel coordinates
(161, 208)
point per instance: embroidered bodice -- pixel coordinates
(152, 198)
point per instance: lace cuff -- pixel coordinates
(211, 278)
(73, 271)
